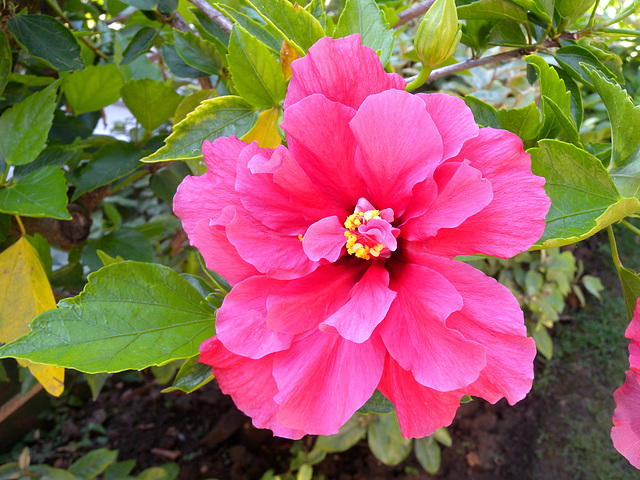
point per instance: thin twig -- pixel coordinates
(413, 11)
(17, 401)
(214, 15)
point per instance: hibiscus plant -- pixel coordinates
(299, 204)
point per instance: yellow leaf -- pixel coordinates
(287, 55)
(265, 131)
(24, 294)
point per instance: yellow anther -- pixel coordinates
(300, 237)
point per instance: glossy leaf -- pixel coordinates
(218, 117)
(129, 316)
(93, 88)
(42, 193)
(45, 38)
(366, 18)
(572, 57)
(572, 9)
(190, 103)
(542, 8)
(428, 454)
(178, 66)
(5, 61)
(265, 33)
(191, 376)
(568, 132)
(24, 294)
(29, 122)
(265, 132)
(584, 199)
(140, 43)
(150, 101)
(93, 463)
(378, 403)
(492, 10)
(197, 52)
(124, 242)
(507, 34)
(523, 121)
(350, 433)
(385, 440)
(142, 4)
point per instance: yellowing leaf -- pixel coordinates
(265, 131)
(24, 294)
(287, 55)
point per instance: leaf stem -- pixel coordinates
(614, 248)
(20, 225)
(630, 226)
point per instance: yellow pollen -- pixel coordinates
(300, 237)
(353, 246)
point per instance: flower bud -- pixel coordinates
(438, 34)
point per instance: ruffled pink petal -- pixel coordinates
(381, 231)
(319, 138)
(210, 238)
(324, 240)
(241, 320)
(421, 410)
(299, 305)
(415, 331)
(491, 317)
(323, 379)
(462, 192)
(500, 229)
(626, 418)
(250, 384)
(277, 192)
(368, 304)
(398, 147)
(328, 69)
(207, 195)
(272, 253)
(453, 119)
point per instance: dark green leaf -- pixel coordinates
(49, 156)
(568, 132)
(507, 34)
(125, 242)
(140, 43)
(42, 193)
(198, 52)
(129, 316)
(113, 161)
(524, 121)
(571, 59)
(191, 376)
(576, 108)
(29, 122)
(263, 32)
(630, 282)
(378, 403)
(118, 470)
(572, 9)
(256, 73)
(5, 225)
(177, 66)
(142, 4)
(492, 10)
(542, 8)
(151, 102)
(218, 117)
(45, 38)
(350, 433)
(93, 88)
(93, 463)
(386, 441)
(428, 454)
(364, 17)
(211, 30)
(5, 61)
(317, 9)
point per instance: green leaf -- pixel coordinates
(428, 454)
(29, 122)
(197, 52)
(96, 381)
(191, 376)
(218, 117)
(630, 282)
(42, 193)
(118, 470)
(93, 463)
(177, 66)
(93, 88)
(169, 471)
(576, 107)
(190, 103)
(492, 10)
(142, 4)
(524, 121)
(45, 38)
(350, 433)
(572, 9)
(5, 61)
(125, 242)
(386, 441)
(593, 285)
(49, 156)
(624, 117)
(378, 403)
(140, 43)
(366, 18)
(544, 344)
(584, 199)
(507, 34)
(263, 32)
(297, 26)
(129, 316)
(569, 132)
(627, 178)
(112, 162)
(151, 102)
(255, 71)
(541, 8)
(443, 437)
(571, 59)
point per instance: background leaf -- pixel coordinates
(42, 193)
(191, 376)
(140, 43)
(386, 441)
(197, 52)
(93, 88)
(5, 61)
(492, 10)
(150, 101)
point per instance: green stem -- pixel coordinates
(592, 18)
(614, 248)
(420, 80)
(630, 226)
(209, 276)
(4, 175)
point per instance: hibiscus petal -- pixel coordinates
(322, 143)
(323, 379)
(207, 195)
(462, 192)
(398, 146)
(626, 418)
(368, 304)
(453, 119)
(491, 317)
(421, 410)
(250, 384)
(415, 333)
(324, 240)
(328, 69)
(241, 320)
(272, 253)
(500, 229)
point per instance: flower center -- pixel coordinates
(369, 232)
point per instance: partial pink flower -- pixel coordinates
(340, 246)
(626, 417)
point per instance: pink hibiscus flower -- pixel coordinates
(340, 252)
(626, 417)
